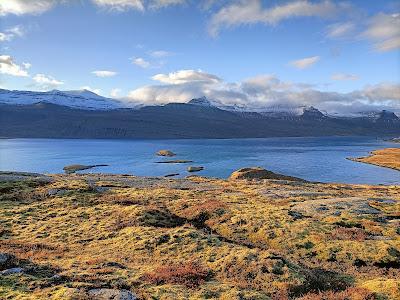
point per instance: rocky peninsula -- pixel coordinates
(388, 158)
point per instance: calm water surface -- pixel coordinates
(319, 159)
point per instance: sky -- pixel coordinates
(339, 56)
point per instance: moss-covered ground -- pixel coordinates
(199, 238)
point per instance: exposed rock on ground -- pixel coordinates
(197, 238)
(111, 294)
(20, 176)
(260, 173)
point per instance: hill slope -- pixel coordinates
(176, 121)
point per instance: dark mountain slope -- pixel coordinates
(175, 121)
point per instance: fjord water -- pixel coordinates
(317, 159)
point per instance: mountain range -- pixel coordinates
(84, 114)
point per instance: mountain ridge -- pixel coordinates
(174, 121)
(88, 100)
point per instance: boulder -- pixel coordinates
(6, 260)
(111, 294)
(165, 153)
(194, 169)
(260, 173)
(16, 270)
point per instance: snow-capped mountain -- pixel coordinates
(202, 101)
(82, 99)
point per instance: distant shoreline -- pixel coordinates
(386, 158)
(383, 138)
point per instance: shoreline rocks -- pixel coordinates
(178, 161)
(195, 169)
(260, 173)
(171, 175)
(74, 168)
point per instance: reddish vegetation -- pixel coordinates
(208, 206)
(190, 274)
(25, 250)
(354, 234)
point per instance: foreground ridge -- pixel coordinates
(75, 236)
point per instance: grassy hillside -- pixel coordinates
(198, 238)
(389, 158)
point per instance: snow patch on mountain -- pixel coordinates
(82, 99)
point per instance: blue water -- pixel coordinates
(318, 159)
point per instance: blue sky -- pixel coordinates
(339, 55)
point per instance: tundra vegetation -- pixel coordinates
(197, 238)
(388, 157)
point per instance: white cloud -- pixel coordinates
(27, 65)
(5, 37)
(267, 91)
(380, 92)
(120, 5)
(114, 93)
(104, 73)
(164, 3)
(342, 76)
(46, 82)
(252, 11)
(9, 67)
(384, 31)
(141, 62)
(339, 30)
(11, 33)
(305, 62)
(21, 7)
(160, 53)
(186, 76)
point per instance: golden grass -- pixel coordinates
(389, 158)
(202, 238)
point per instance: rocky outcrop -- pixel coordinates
(165, 153)
(260, 173)
(311, 113)
(111, 294)
(6, 260)
(98, 294)
(74, 168)
(15, 270)
(195, 169)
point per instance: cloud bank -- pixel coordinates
(35, 7)
(248, 12)
(263, 92)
